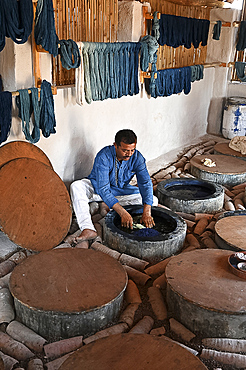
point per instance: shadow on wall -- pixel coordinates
(79, 160)
(215, 115)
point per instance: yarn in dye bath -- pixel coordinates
(146, 233)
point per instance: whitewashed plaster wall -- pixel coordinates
(161, 124)
(220, 51)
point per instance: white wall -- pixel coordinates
(161, 124)
(220, 51)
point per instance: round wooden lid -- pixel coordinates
(35, 209)
(20, 149)
(224, 148)
(203, 277)
(133, 351)
(224, 165)
(68, 280)
(232, 230)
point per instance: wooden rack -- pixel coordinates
(87, 20)
(228, 24)
(168, 57)
(144, 75)
(53, 89)
(147, 16)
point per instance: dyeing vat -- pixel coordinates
(205, 296)
(133, 351)
(190, 195)
(223, 148)
(153, 248)
(230, 230)
(229, 171)
(67, 292)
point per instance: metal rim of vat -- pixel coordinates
(152, 249)
(221, 242)
(211, 203)
(68, 324)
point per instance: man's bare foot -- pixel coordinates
(86, 234)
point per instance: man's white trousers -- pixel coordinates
(82, 193)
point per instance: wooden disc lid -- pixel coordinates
(20, 149)
(224, 165)
(224, 148)
(132, 351)
(35, 209)
(232, 230)
(68, 280)
(203, 277)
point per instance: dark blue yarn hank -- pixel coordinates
(217, 30)
(241, 44)
(28, 105)
(177, 30)
(197, 72)
(47, 114)
(5, 115)
(16, 19)
(69, 53)
(170, 81)
(44, 29)
(110, 70)
(240, 70)
(146, 233)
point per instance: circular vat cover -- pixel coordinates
(35, 209)
(132, 351)
(21, 149)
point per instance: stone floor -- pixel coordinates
(11, 255)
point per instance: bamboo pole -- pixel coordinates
(86, 20)
(104, 21)
(35, 55)
(107, 19)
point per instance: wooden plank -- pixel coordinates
(86, 19)
(54, 69)
(72, 20)
(100, 30)
(35, 55)
(108, 20)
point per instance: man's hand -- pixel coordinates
(126, 218)
(147, 219)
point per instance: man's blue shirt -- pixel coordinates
(103, 176)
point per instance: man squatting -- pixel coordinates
(114, 167)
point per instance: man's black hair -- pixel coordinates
(125, 136)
